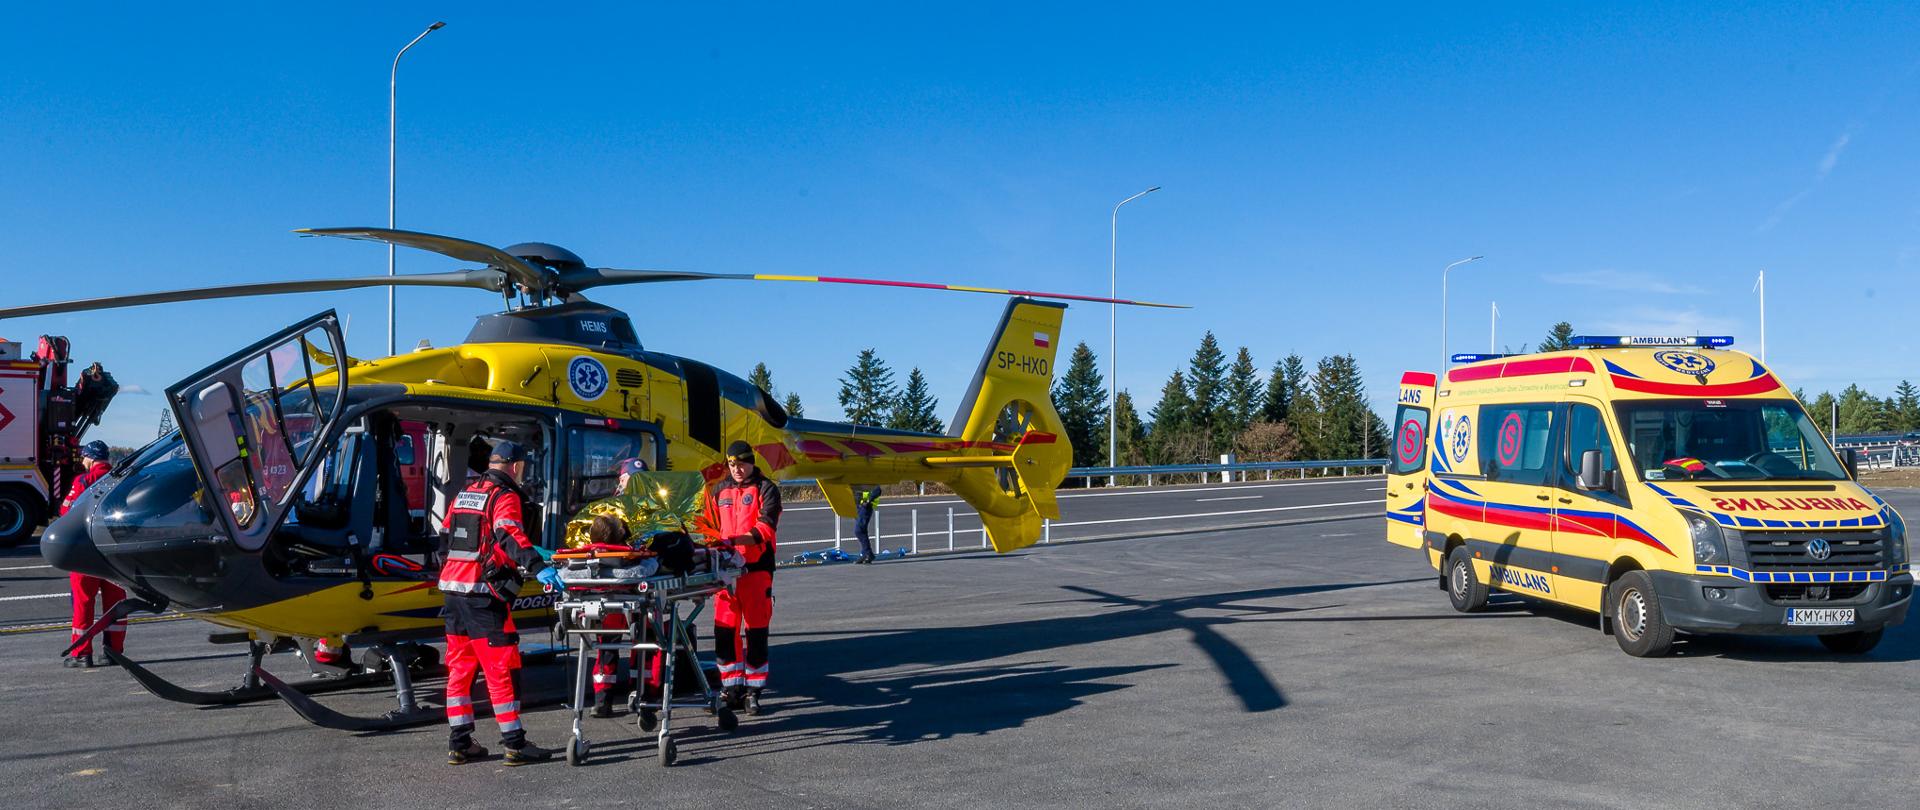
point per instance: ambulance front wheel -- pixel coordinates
(1638, 623)
(1464, 589)
(1858, 642)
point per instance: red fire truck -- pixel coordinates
(42, 420)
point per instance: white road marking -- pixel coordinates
(1376, 489)
(35, 596)
(25, 567)
(1231, 498)
(1064, 494)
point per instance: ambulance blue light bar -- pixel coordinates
(1475, 358)
(1703, 341)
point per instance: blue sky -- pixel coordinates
(1626, 169)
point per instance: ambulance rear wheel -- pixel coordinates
(20, 513)
(1638, 623)
(1858, 642)
(1464, 589)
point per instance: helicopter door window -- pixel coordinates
(251, 421)
(593, 457)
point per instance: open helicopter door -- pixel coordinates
(253, 422)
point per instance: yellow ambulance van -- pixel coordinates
(1667, 484)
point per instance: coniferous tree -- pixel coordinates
(1131, 448)
(1558, 338)
(1861, 412)
(762, 379)
(867, 393)
(792, 406)
(1080, 397)
(1207, 380)
(1341, 424)
(914, 408)
(1282, 386)
(1244, 395)
(1820, 409)
(1175, 428)
(1906, 407)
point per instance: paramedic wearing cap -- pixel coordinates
(87, 591)
(486, 551)
(744, 508)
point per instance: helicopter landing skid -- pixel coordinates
(168, 690)
(407, 713)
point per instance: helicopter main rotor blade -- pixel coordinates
(526, 275)
(598, 276)
(477, 279)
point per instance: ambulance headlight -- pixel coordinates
(1896, 539)
(1709, 543)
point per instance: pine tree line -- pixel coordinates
(1862, 412)
(1214, 406)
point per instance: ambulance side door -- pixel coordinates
(1587, 523)
(1407, 466)
(1516, 443)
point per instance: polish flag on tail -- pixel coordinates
(1042, 340)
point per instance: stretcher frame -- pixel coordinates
(653, 605)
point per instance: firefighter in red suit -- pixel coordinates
(742, 510)
(89, 591)
(486, 551)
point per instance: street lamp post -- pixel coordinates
(1113, 339)
(1443, 309)
(393, 109)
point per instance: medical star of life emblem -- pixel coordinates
(1684, 362)
(587, 378)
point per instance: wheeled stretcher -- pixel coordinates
(659, 609)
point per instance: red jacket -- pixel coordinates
(484, 541)
(95, 472)
(744, 510)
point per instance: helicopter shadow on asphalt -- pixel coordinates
(948, 694)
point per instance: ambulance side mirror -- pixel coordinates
(1592, 477)
(1851, 457)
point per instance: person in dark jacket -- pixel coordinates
(865, 499)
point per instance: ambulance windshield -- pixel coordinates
(1726, 439)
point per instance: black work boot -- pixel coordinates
(527, 754)
(753, 702)
(736, 697)
(73, 662)
(603, 704)
(468, 753)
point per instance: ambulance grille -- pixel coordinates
(1839, 592)
(1787, 551)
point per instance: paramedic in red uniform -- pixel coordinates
(486, 549)
(90, 590)
(744, 510)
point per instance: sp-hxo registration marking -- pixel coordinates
(1819, 617)
(1031, 365)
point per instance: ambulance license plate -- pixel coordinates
(1819, 617)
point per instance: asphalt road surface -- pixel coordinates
(1236, 658)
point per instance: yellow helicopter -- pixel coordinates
(279, 507)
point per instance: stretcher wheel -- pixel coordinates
(667, 752)
(577, 752)
(649, 718)
(728, 720)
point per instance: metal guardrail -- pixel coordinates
(1149, 471)
(1240, 468)
(945, 536)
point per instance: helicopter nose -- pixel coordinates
(68, 547)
